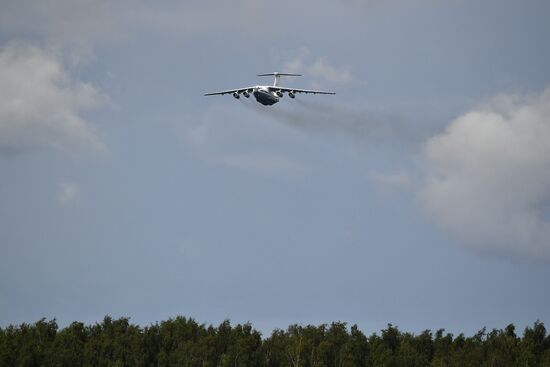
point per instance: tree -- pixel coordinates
(184, 342)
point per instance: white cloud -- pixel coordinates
(319, 68)
(41, 105)
(488, 176)
(68, 192)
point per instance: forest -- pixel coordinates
(183, 341)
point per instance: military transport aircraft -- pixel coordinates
(268, 94)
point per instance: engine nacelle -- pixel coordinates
(236, 95)
(279, 94)
(246, 94)
(291, 94)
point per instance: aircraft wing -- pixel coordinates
(306, 91)
(231, 91)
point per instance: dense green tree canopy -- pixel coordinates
(184, 342)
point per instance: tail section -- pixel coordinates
(278, 77)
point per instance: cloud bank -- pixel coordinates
(41, 104)
(488, 176)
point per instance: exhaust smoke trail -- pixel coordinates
(329, 118)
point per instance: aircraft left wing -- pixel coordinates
(293, 90)
(231, 91)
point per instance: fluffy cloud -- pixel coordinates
(488, 176)
(319, 68)
(41, 105)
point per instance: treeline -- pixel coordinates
(184, 342)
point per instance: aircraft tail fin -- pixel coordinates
(277, 76)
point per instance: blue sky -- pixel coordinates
(418, 195)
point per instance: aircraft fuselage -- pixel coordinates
(265, 97)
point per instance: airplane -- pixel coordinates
(268, 94)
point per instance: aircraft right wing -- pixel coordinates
(231, 91)
(293, 90)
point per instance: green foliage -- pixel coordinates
(184, 342)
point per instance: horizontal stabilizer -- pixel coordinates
(276, 73)
(278, 76)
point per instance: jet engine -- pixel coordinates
(291, 94)
(236, 95)
(279, 94)
(246, 94)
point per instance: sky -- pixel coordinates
(418, 195)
